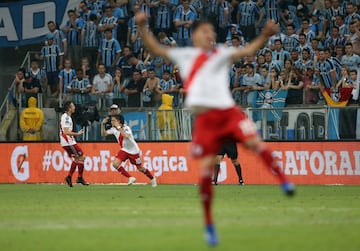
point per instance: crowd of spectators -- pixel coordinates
(98, 56)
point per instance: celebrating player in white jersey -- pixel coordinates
(68, 142)
(205, 71)
(129, 148)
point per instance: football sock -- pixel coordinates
(147, 173)
(123, 172)
(238, 171)
(216, 172)
(206, 194)
(266, 154)
(72, 168)
(81, 169)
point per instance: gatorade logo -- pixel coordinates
(19, 165)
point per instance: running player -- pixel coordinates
(68, 142)
(129, 148)
(217, 118)
(230, 149)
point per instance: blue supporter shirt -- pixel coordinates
(248, 13)
(82, 84)
(280, 57)
(91, 35)
(184, 32)
(58, 39)
(164, 19)
(51, 54)
(73, 36)
(108, 50)
(351, 61)
(107, 21)
(67, 77)
(325, 68)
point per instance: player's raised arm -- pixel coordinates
(155, 48)
(251, 48)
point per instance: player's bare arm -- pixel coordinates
(67, 131)
(155, 48)
(269, 29)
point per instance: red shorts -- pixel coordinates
(134, 159)
(214, 127)
(73, 151)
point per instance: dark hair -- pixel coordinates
(235, 37)
(307, 50)
(349, 44)
(166, 71)
(196, 24)
(70, 11)
(292, 25)
(50, 22)
(34, 60)
(317, 40)
(302, 34)
(338, 15)
(339, 46)
(67, 105)
(278, 40)
(354, 71)
(305, 20)
(22, 70)
(108, 29)
(266, 52)
(119, 118)
(93, 17)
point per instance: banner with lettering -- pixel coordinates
(304, 162)
(25, 22)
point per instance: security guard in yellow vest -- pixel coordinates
(31, 121)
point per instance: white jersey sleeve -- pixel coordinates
(112, 131)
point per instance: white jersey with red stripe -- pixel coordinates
(205, 75)
(66, 122)
(128, 144)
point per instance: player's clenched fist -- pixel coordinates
(270, 28)
(141, 18)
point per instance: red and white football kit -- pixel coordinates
(68, 142)
(207, 86)
(129, 148)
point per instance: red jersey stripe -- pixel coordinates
(198, 63)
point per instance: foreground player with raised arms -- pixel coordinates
(205, 69)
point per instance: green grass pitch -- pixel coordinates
(169, 217)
